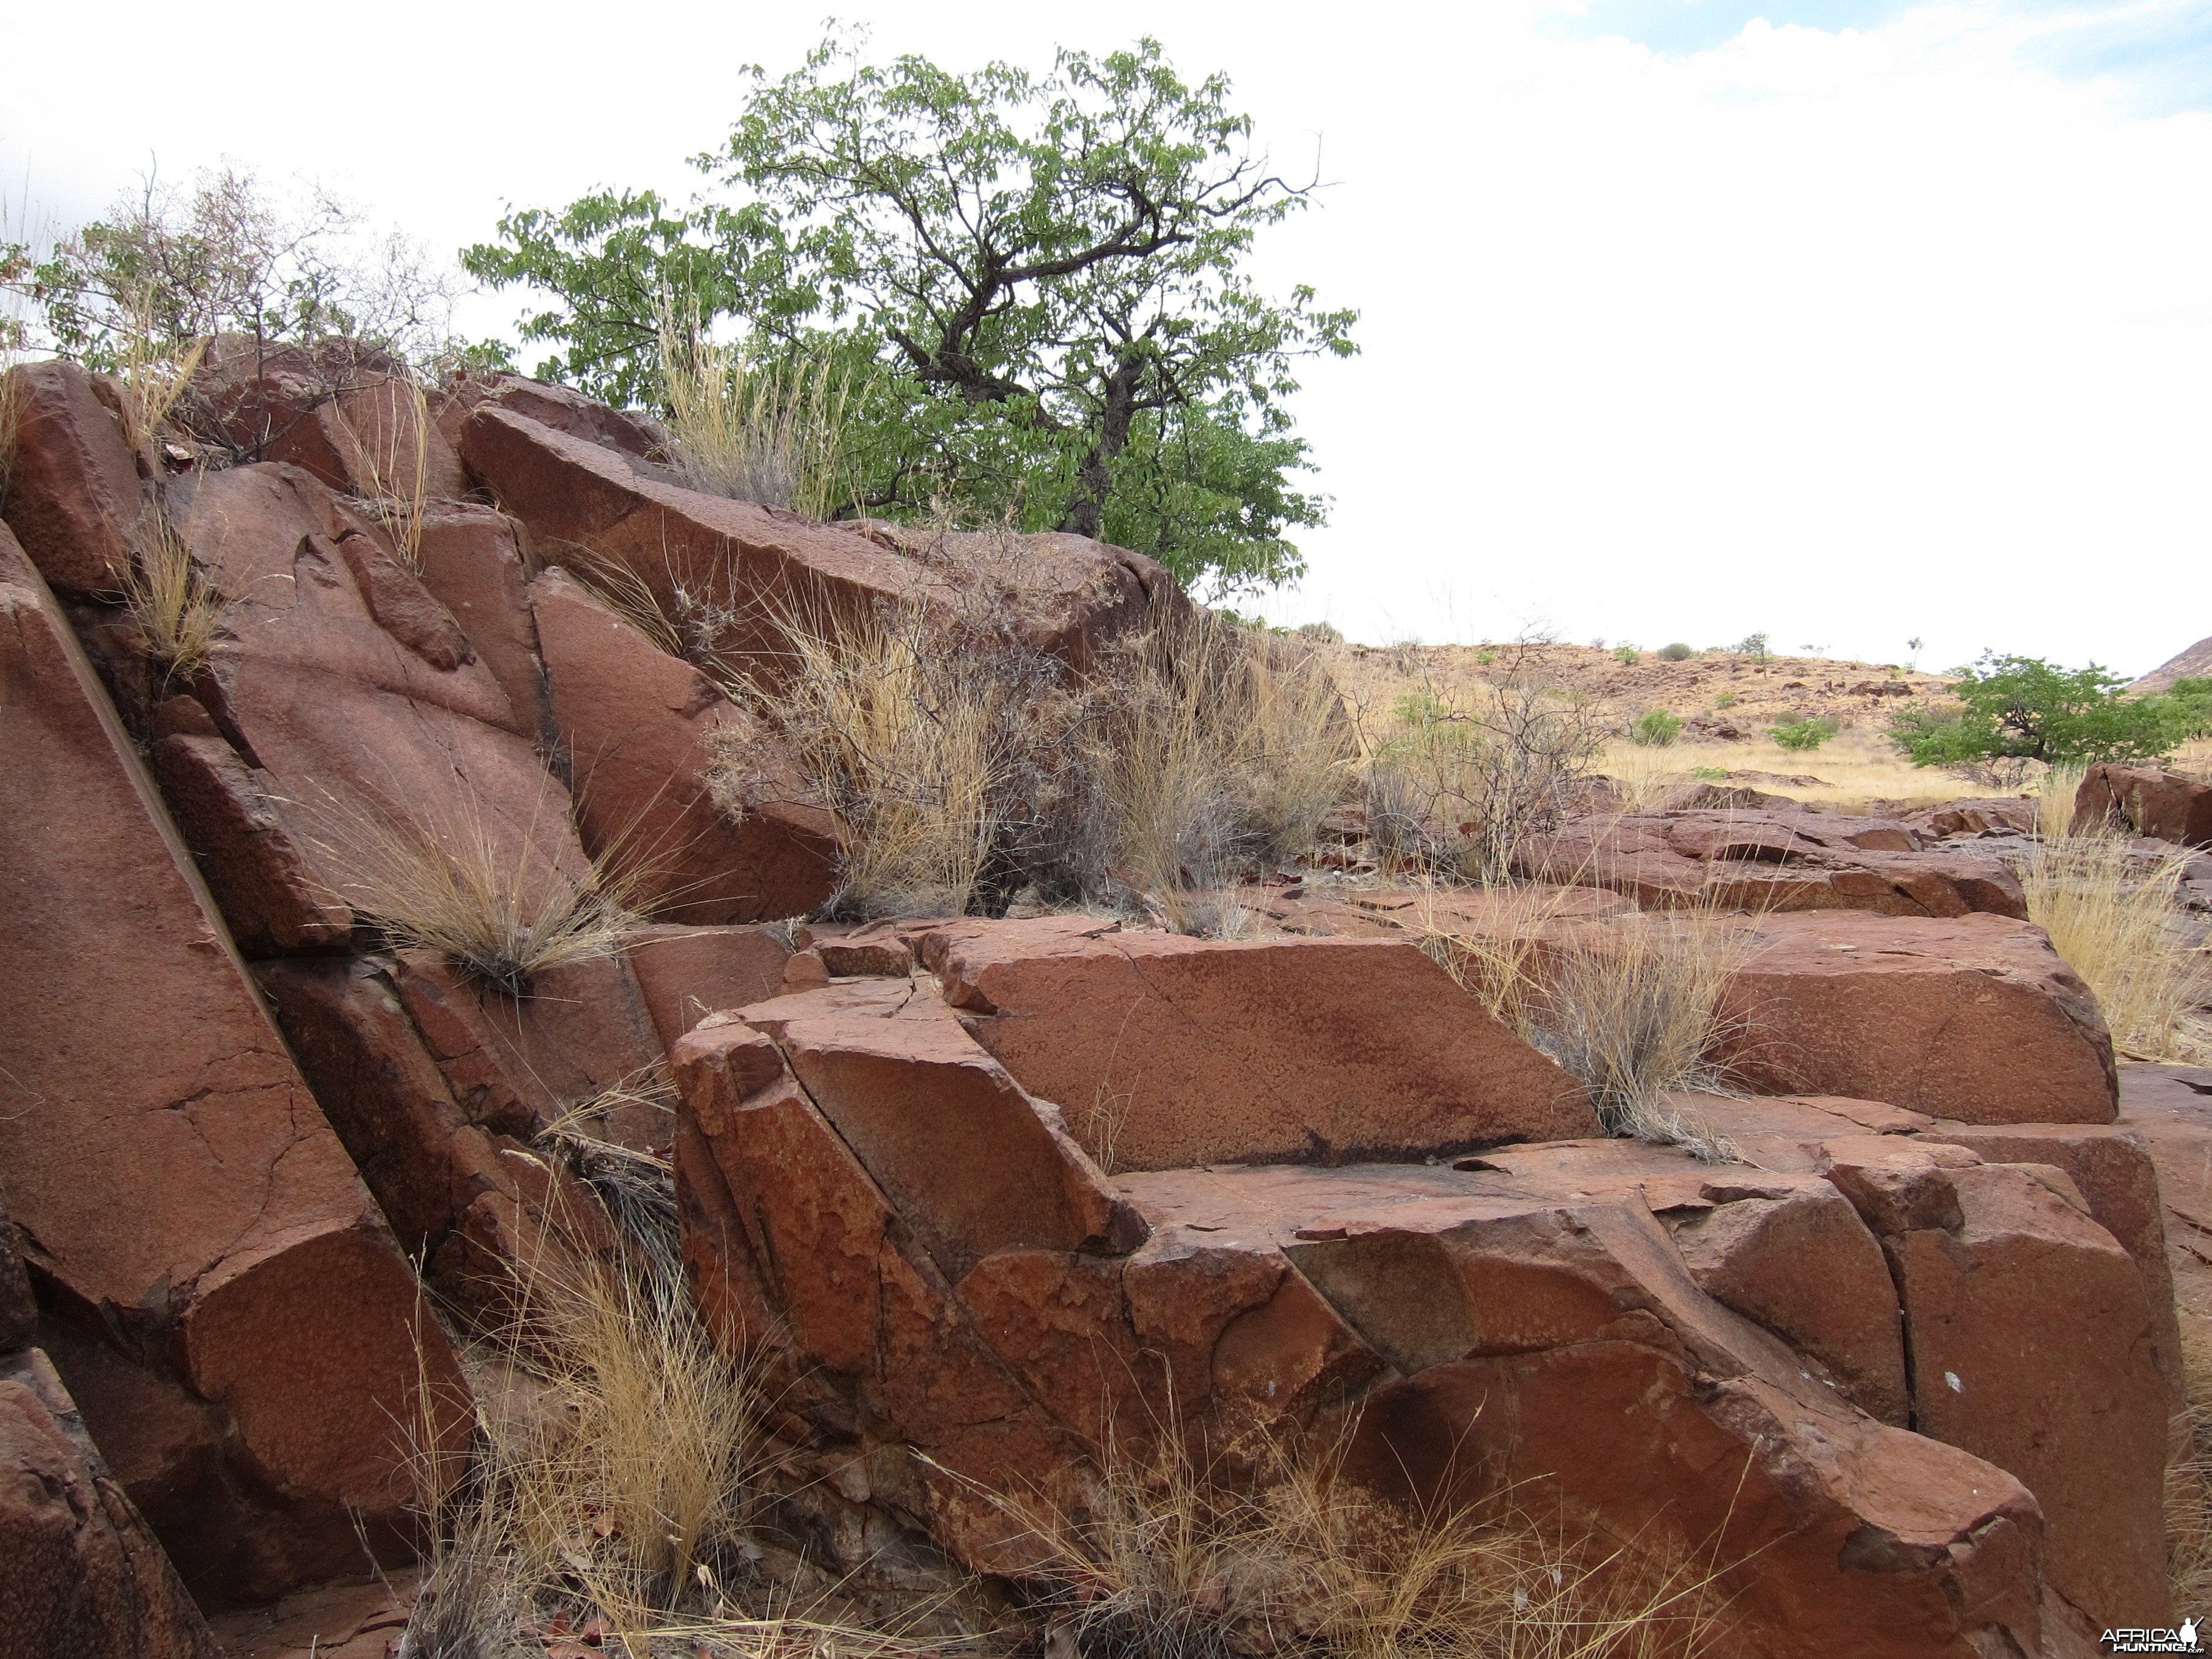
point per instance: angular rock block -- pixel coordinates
(686, 973)
(75, 499)
(1165, 1051)
(642, 730)
(1973, 1017)
(83, 1575)
(146, 1079)
(477, 562)
(2164, 805)
(1768, 861)
(637, 437)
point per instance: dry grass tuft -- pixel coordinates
(1218, 752)
(2188, 1481)
(493, 905)
(392, 460)
(181, 611)
(772, 434)
(1634, 1006)
(2110, 912)
(1166, 1562)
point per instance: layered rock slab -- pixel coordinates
(75, 499)
(256, 1269)
(2161, 804)
(1166, 1051)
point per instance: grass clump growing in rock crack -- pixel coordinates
(178, 609)
(771, 432)
(1165, 1561)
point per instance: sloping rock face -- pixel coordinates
(83, 1576)
(1772, 861)
(255, 1270)
(875, 1203)
(75, 499)
(2194, 663)
(1975, 1018)
(642, 730)
(2164, 805)
(1303, 1050)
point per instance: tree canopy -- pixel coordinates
(2025, 708)
(1037, 283)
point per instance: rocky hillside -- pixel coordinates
(338, 1026)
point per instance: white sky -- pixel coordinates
(1679, 323)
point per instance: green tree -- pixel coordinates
(2013, 709)
(1046, 273)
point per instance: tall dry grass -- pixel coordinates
(2188, 1480)
(392, 459)
(1635, 1005)
(1166, 1562)
(770, 432)
(1217, 753)
(2111, 912)
(179, 611)
(443, 878)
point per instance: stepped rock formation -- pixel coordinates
(2164, 805)
(985, 1197)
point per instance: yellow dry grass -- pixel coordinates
(1856, 767)
(392, 458)
(2111, 913)
(1165, 1562)
(2189, 1477)
(179, 611)
(1218, 751)
(444, 878)
(772, 433)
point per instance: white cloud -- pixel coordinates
(1847, 336)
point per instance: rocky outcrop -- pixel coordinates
(148, 1081)
(74, 496)
(642, 731)
(2163, 806)
(1975, 1018)
(1328, 1050)
(1770, 861)
(2194, 663)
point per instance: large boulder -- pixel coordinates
(1165, 1051)
(1767, 861)
(73, 494)
(1524, 1324)
(83, 1575)
(1973, 1017)
(643, 731)
(477, 562)
(149, 1083)
(635, 436)
(2164, 805)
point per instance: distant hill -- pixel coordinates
(2192, 663)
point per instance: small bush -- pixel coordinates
(1655, 728)
(1803, 735)
(1677, 651)
(1710, 773)
(1485, 658)
(180, 611)
(1322, 632)
(1626, 655)
(1726, 700)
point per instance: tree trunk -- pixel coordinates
(1087, 507)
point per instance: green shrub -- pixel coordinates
(1322, 632)
(1803, 734)
(2014, 710)
(1485, 658)
(1677, 651)
(1710, 773)
(1625, 654)
(1654, 729)
(1726, 700)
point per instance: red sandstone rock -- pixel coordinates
(82, 1576)
(352, 1618)
(2164, 805)
(74, 495)
(686, 973)
(1165, 1051)
(478, 564)
(151, 1082)
(19, 1314)
(260, 877)
(1772, 861)
(642, 730)
(2003, 814)
(1974, 1019)
(638, 437)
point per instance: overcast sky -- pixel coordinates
(1682, 319)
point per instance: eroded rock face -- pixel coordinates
(1974, 1019)
(642, 730)
(1526, 1319)
(75, 499)
(83, 1574)
(2164, 805)
(1772, 861)
(256, 1269)
(1331, 1050)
